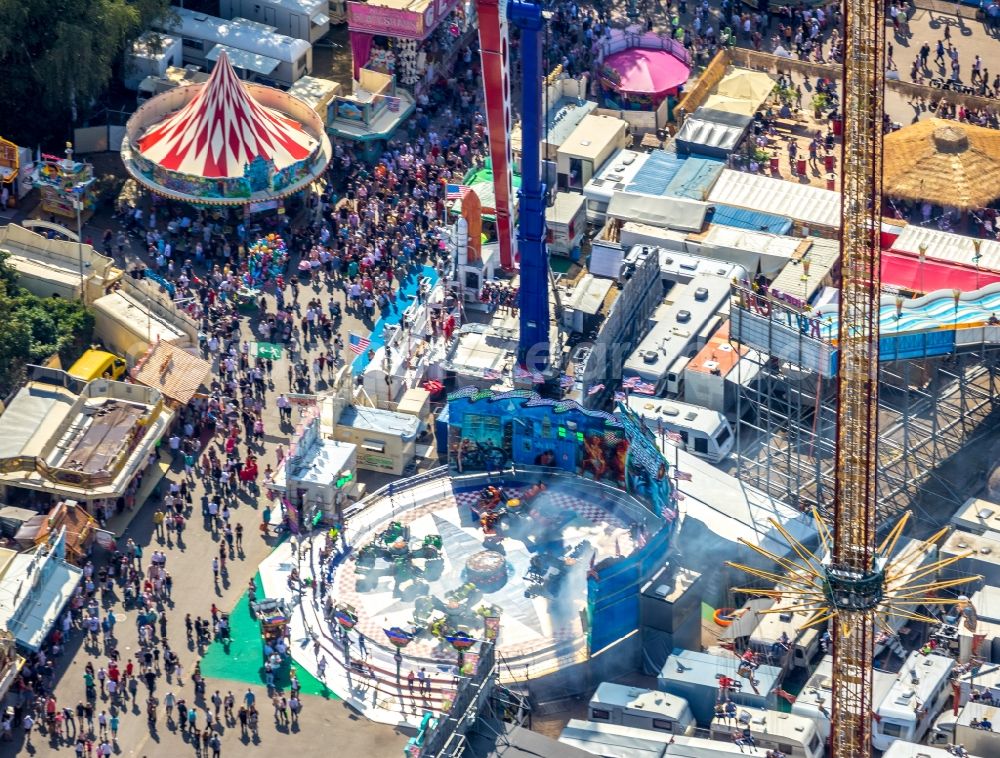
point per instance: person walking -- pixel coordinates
(216, 745)
(27, 723)
(114, 721)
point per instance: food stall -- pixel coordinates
(273, 615)
(15, 169)
(413, 40)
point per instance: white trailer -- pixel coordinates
(257, 51)
(301, 19)
(643, 709)
(151, 55)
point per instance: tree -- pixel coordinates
(33, 329)
(58, 56)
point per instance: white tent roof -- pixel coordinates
(222, 129)
(802, 202)
(670, 212)
(945, 246)
(244, 59)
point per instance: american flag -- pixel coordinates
(491, 374)
(456, 191)
(595, 389)
(392, 103)
(630, 382)
(621, 397)
(674, 437)
(537, 378)
(358, 344)
(682, 476)
(520, 373)
(644, 388)
(566, 382)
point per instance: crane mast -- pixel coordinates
(854, 581)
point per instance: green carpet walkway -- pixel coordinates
(243, 660)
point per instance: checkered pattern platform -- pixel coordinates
(592, 511)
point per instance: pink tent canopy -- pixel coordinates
(647, 72)
(222, 129)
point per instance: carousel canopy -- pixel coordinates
(944, 162)
(222, 129)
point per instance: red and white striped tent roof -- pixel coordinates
(222, 129)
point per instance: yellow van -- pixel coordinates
(97, 364)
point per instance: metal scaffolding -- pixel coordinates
(930, 409)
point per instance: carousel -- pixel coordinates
(639, 71)
(225, 143)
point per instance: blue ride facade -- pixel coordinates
(517, 437)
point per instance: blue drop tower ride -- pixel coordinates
(533, 348)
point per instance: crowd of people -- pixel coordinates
(369, 230)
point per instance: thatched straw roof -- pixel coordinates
(944, 162)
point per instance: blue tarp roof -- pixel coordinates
(669, 174)
(741, 218)
(656, 173)
(695, 178)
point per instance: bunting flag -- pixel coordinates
(537, 378)
(520, 373)
(491, 374)
(621, 397)
(566, 382)
(358, 344)
(460, 641)
(346, 619)
(644, 388)
(398, 637)
(595, 389)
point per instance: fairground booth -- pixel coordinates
(226, 144)
(413, 40)
(15, 168)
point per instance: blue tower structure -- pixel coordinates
(533, 346)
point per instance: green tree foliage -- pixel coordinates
(59, 54)
(33, 329)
